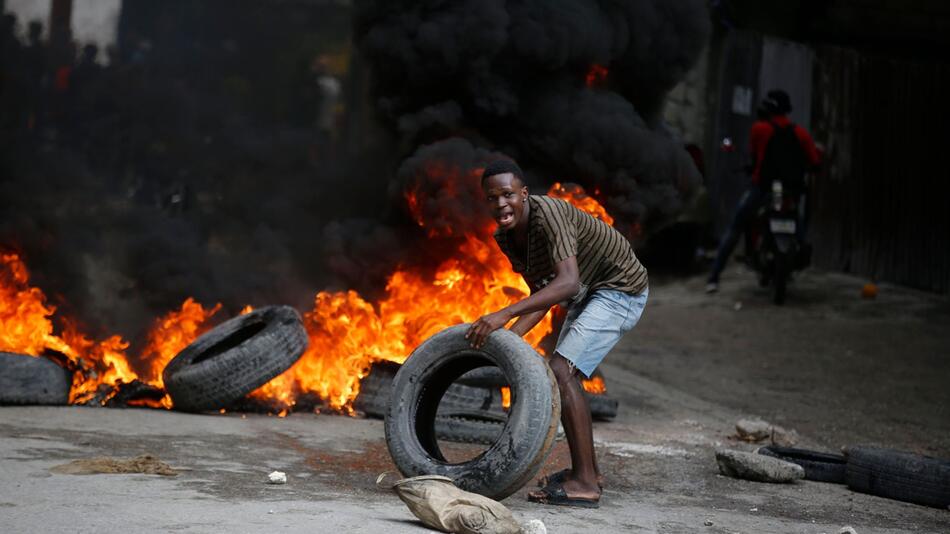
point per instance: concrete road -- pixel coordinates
(684, 377)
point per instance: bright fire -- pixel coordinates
(169, 335)
(26, 327)
(347, 333)
(594, 385)
(576, 195)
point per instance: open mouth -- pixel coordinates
(505, 219)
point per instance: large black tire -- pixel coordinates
(526, 438)
(32, 380)
(899, 475)
(818, 466)
(237, 357)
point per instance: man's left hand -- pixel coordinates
(485, 325)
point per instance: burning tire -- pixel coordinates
(235, 358)
(524, 441)
(32, 380)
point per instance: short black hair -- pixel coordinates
(502, 166)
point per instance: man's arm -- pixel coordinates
(564, 286)
(526, 322)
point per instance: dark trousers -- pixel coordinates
(749, 203)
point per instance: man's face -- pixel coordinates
(505, 195)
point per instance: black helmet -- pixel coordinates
(776, 102)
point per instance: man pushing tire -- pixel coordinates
(566, 256)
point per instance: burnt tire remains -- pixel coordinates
(899, 475)
(32, 380)
(237, 357)
(525, 440)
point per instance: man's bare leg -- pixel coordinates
(578, 429)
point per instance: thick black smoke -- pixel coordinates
(191, 165)
(175, 183)
(511, 76)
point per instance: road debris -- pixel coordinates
(277, 477)
(750, 466)
(534, 526)
(847, 530)
(439, 504)
(757, 430)
(145, 463)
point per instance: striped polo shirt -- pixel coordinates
(556, 231)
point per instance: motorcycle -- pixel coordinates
(776, 249)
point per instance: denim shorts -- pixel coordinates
(593, 326)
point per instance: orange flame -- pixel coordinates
(26, 328)
(24, 315)
(169, 335)
(347, 333)
(506, 397)
(104, 365)
(575, 194)
(594, 385)
(101, 366)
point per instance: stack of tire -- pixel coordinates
(898, 475)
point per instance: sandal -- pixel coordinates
(554, 494)
(561, 476)
(554, 478)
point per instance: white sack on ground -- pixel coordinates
(438, 503)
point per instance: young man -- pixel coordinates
(566, 256)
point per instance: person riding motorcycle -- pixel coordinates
(779, 149)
